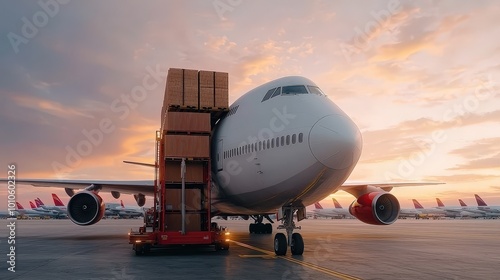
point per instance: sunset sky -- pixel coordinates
(420, 79)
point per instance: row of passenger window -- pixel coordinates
(292, 90)
(265, 145)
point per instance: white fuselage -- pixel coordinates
(290, 149)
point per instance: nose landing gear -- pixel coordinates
(295, 240)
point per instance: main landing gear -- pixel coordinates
(295, 240)
(260, 228)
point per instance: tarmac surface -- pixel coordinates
(338, 249)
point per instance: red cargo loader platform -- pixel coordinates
(181, 214)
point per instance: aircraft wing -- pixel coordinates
(357, 188)
(145, 187)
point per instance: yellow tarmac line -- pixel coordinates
(305, 264)
(266, 256)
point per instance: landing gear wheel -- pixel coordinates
(268, 228)
(297, 246)
(259, 228)
(280, 244)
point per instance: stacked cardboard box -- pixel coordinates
(174, 88)
(190, 88)
(185, 134)
(187, 146)
(194, 172)
(206, 79)
(193, 89)
(221, 90)
(173, 200)
(182, 88)
(173, 222)
(187, 122)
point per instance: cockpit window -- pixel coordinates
(315, 90)
(268, 94)
(277, 92)
(294, 90)
(291, 90)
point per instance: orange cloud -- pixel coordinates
(426, 41)
(221, 43)
(484, 163)
(49, 107)
(462, 178)
(479, 148)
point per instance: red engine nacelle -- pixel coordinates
(376, 208)
(86, 208)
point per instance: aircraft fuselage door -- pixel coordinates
(220, 155)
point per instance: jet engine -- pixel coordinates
(86, 208)
(376, 208)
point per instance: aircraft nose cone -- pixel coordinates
(335, 141)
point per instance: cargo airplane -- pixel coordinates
(281, 147)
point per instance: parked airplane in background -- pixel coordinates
(126, 212)
(60, 210)
(36, 207)
(489, 210)
(428, 212)
(457, 212)
(337, 212)
(58, 204)
(471, 209)
(40, 207)
(410, 212)
(283, 146)
(340, 210)
(29, 212)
